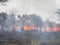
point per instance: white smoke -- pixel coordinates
(43, 8)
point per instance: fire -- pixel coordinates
(53, 29)
(33, 27)
(56, 29)
(47, 29)
(16, 27)
(25, 27)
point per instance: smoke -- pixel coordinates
(42, 8)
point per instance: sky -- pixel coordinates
(43, 8)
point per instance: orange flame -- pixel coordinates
(47, 29)
(25, 27)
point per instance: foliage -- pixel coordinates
(33, 19)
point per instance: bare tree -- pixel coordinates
(58, 12)
(3, 2)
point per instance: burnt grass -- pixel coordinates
(26, 37)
